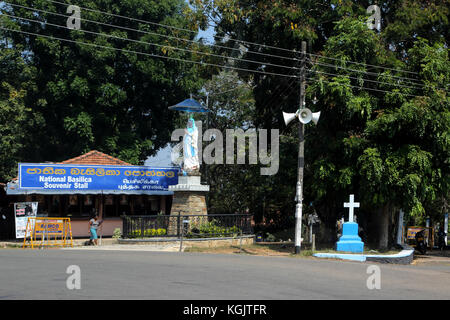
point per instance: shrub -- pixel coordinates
(117, 233)
(212, 229)
(148, 233)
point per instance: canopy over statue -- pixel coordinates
(189, 105)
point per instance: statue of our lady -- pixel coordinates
(190, 147)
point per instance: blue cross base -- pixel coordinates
(350, 241)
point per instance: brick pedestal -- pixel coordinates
(189, 203)
(189, 198)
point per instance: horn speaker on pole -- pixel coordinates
(288, 117)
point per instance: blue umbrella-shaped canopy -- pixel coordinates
(189, 105)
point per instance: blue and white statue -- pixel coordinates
(190, 147)
(190, 159)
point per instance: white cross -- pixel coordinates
(351, 205)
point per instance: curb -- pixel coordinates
(156, 240)
(406, 256)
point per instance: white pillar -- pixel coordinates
(400, 228)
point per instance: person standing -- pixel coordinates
(94, 223)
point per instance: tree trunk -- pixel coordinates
(384, 218)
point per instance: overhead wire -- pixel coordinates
(151, 43)
(189, 61)
(172, 27)
(361, 63)
(201, 62)
(147, 54)
(365, 88)
(149, 32)
(214, 45)
(363, 79)
(204, 53)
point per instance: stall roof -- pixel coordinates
(95, 157)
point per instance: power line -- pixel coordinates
(192, 41)
(148, 32)
(190, 61)
(148, 54)
(368, 80)
(184, 60)
(182, 39)
(151, 43)
(360, 63)
(365, 88)
(175, 28)
(411, 80)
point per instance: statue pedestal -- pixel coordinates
(189, 198)
(350, 241)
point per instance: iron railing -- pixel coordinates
(187, 226)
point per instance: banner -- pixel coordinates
(23, 211)
(95, 177)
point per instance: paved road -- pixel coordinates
(41, 274)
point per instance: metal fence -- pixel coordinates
(187, 226)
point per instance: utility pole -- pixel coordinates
(301, 155)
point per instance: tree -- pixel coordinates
(391, 146)
(348, 151)
(16, 119)
(96, 97)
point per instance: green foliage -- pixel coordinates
(117, 233)
(148, 233)
(97, 98)
(211, 229)
(16, 81)
(390, 147)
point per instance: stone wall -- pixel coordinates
(189, 203)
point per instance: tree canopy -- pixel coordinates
(383, 132)
(112, 94)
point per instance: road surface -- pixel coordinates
(41, 274)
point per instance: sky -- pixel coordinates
(161, 159)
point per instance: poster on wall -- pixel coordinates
(23, 211)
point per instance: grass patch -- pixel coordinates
(285, 249)
(263, 249)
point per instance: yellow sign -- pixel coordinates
(428, 234)
(42, 232)
(411, 234)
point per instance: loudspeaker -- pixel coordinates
(288, 117)
(305, 115)
(315, 117)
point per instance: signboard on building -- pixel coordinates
(23, 211)
(95, 177)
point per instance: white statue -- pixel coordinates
(190, 147)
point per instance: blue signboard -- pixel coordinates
(95, 177)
